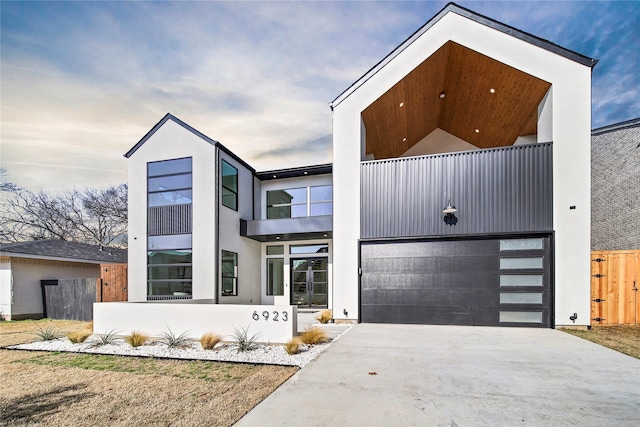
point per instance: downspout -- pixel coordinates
(216, 255)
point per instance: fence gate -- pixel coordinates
(69, 299)
(614, 287)
(114, 283)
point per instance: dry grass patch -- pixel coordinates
(85, 390)
(325, 316)
(292, 346)
(136, 339)
(314, 335)
(208, 341)
(77, 337)
(622, 338)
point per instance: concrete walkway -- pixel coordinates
(401, 375)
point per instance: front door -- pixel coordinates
(309, 282)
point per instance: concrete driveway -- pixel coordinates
(400, 375)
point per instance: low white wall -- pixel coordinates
(275, 323)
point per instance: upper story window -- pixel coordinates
(169, 182)
(229, 186)
(300, 202)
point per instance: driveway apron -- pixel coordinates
(397, 375)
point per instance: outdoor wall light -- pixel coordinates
(449, 214)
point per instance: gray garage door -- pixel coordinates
(490, 282)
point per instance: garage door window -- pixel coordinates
(521, 244)
(520, 280)
(521, 298)
(520, 317)
(520, 263)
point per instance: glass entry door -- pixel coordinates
(309, 282)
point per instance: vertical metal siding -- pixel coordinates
(496, 191)
(172, 219)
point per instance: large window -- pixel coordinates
(169, 266)
(300, 202)
(169, 182)
(229, 274)
(229, 186)
(169, 256)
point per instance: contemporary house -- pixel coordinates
(24, 265)
(459, 194)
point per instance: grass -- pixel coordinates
(136, 339)
(106, 338)
(292, 346)
(314, 335)
(622, 338)
(88, 389)
(325, 316)
(48, 333)
(209, 341)
(244, 341)
(172, 340)
(77, 337)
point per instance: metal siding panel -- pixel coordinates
(496, 191)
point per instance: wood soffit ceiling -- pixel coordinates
(466, 78)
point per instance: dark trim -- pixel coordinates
(616, 126)
(216, 254)
(479, 236)
(222, 186)
(552, 282)
(359, 320)
(481, 19)
(191, 129)
(323, 169)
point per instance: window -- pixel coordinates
(169, 256)
(275, 276)
(229, 186)
(300, 202)
(309, 249)
(169, 273)
(169, 182)
(275, 250)
(229, 273)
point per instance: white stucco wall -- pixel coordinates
(438, 141)
(248, 250)
(571, 116)
(172, 141)
(26, 275)
(6, 287)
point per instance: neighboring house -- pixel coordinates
(24, 265)
(615, 186)
(466, 112)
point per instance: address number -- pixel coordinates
(275, 316)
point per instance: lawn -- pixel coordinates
(47, 389)
(622, 338)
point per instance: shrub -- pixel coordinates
(314, 335)
(292, 346)
(89, 326)
(172, 340)
(78, 337)
(106, 338)
(325, 316)
(48, 333)
(136, 339)
(245, 342)
(208, 341)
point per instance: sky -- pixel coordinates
(82, 82)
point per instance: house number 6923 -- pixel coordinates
(276, 314)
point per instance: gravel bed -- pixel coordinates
(267, 354)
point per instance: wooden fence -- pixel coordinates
(614, 287)
(72, 299)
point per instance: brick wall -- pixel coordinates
(615, 187)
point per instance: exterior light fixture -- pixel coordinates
(477, 130)
(492, 90)
(449, 214)
(404, 139)
(442, 95)
(402, 104)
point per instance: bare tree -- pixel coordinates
(4, 184)
(89, 216)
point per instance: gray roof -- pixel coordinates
(467, 13)
(191, 129)
(64, 251)
(616, 126)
